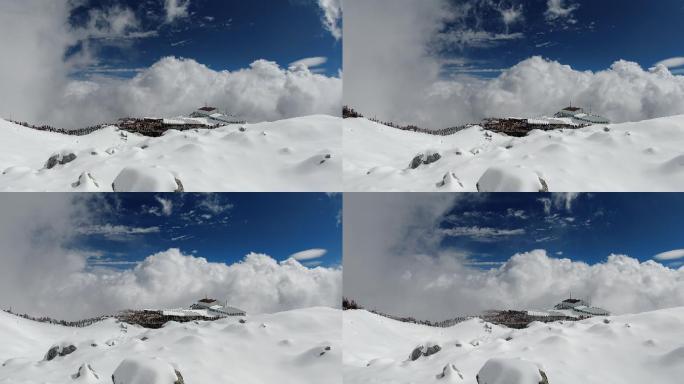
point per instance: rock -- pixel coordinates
(59, 350)
(606, 129)
(450, 372)
(60, 159)
(85, 373)
(510, 371)
(86, 181)
(423, 350)
(242, 321)
(606, 321)
(424, 159)
(242, 129)
(450, 181)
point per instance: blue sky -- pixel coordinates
(219, 227)
(585, 34)
(587, 227)
(222, 34)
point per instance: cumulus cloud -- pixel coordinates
(332, 16)
(309, 254)
(394, 263)
(399, 74)
(670, 255)
(37, 85)
(176, 9)
(42, 274)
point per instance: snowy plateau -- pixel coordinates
(298, 154)
(625, 349)
(637, 156)
(298, 346)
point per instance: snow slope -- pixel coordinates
(641, 156)
(283, 347)
(630, 349)
(286, 155)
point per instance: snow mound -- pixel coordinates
(145, 179)
(146, 371)
(510, 371)
(510, 179)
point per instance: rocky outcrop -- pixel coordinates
(424, 159)
(60, 159)
(450, 372)
(424, 351)
(59, 350)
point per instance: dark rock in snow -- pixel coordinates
(424, 158)
(59, 159)
(59, 350)
(85, 370)
(242, 321)
(180, 185)
(422, 350)
(545, 187)
(179, 377)
(450, 370)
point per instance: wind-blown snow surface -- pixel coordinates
(299, 154)
(640, 348)
(283, 347)
(640, 156)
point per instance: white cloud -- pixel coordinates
(557, 9)
(472, 38)
(37, 84)
(670, 255)
(116, 232)
(309, 62)
(511, 15)
(332, 16)
(214, 203)
(40, 272)
(672, 62)
(309, 254)
(482, 233)
(176, 9)
(166, 205)
(394, 262)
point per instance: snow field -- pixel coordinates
(299, 346)
(299, 154)
(640, 156)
